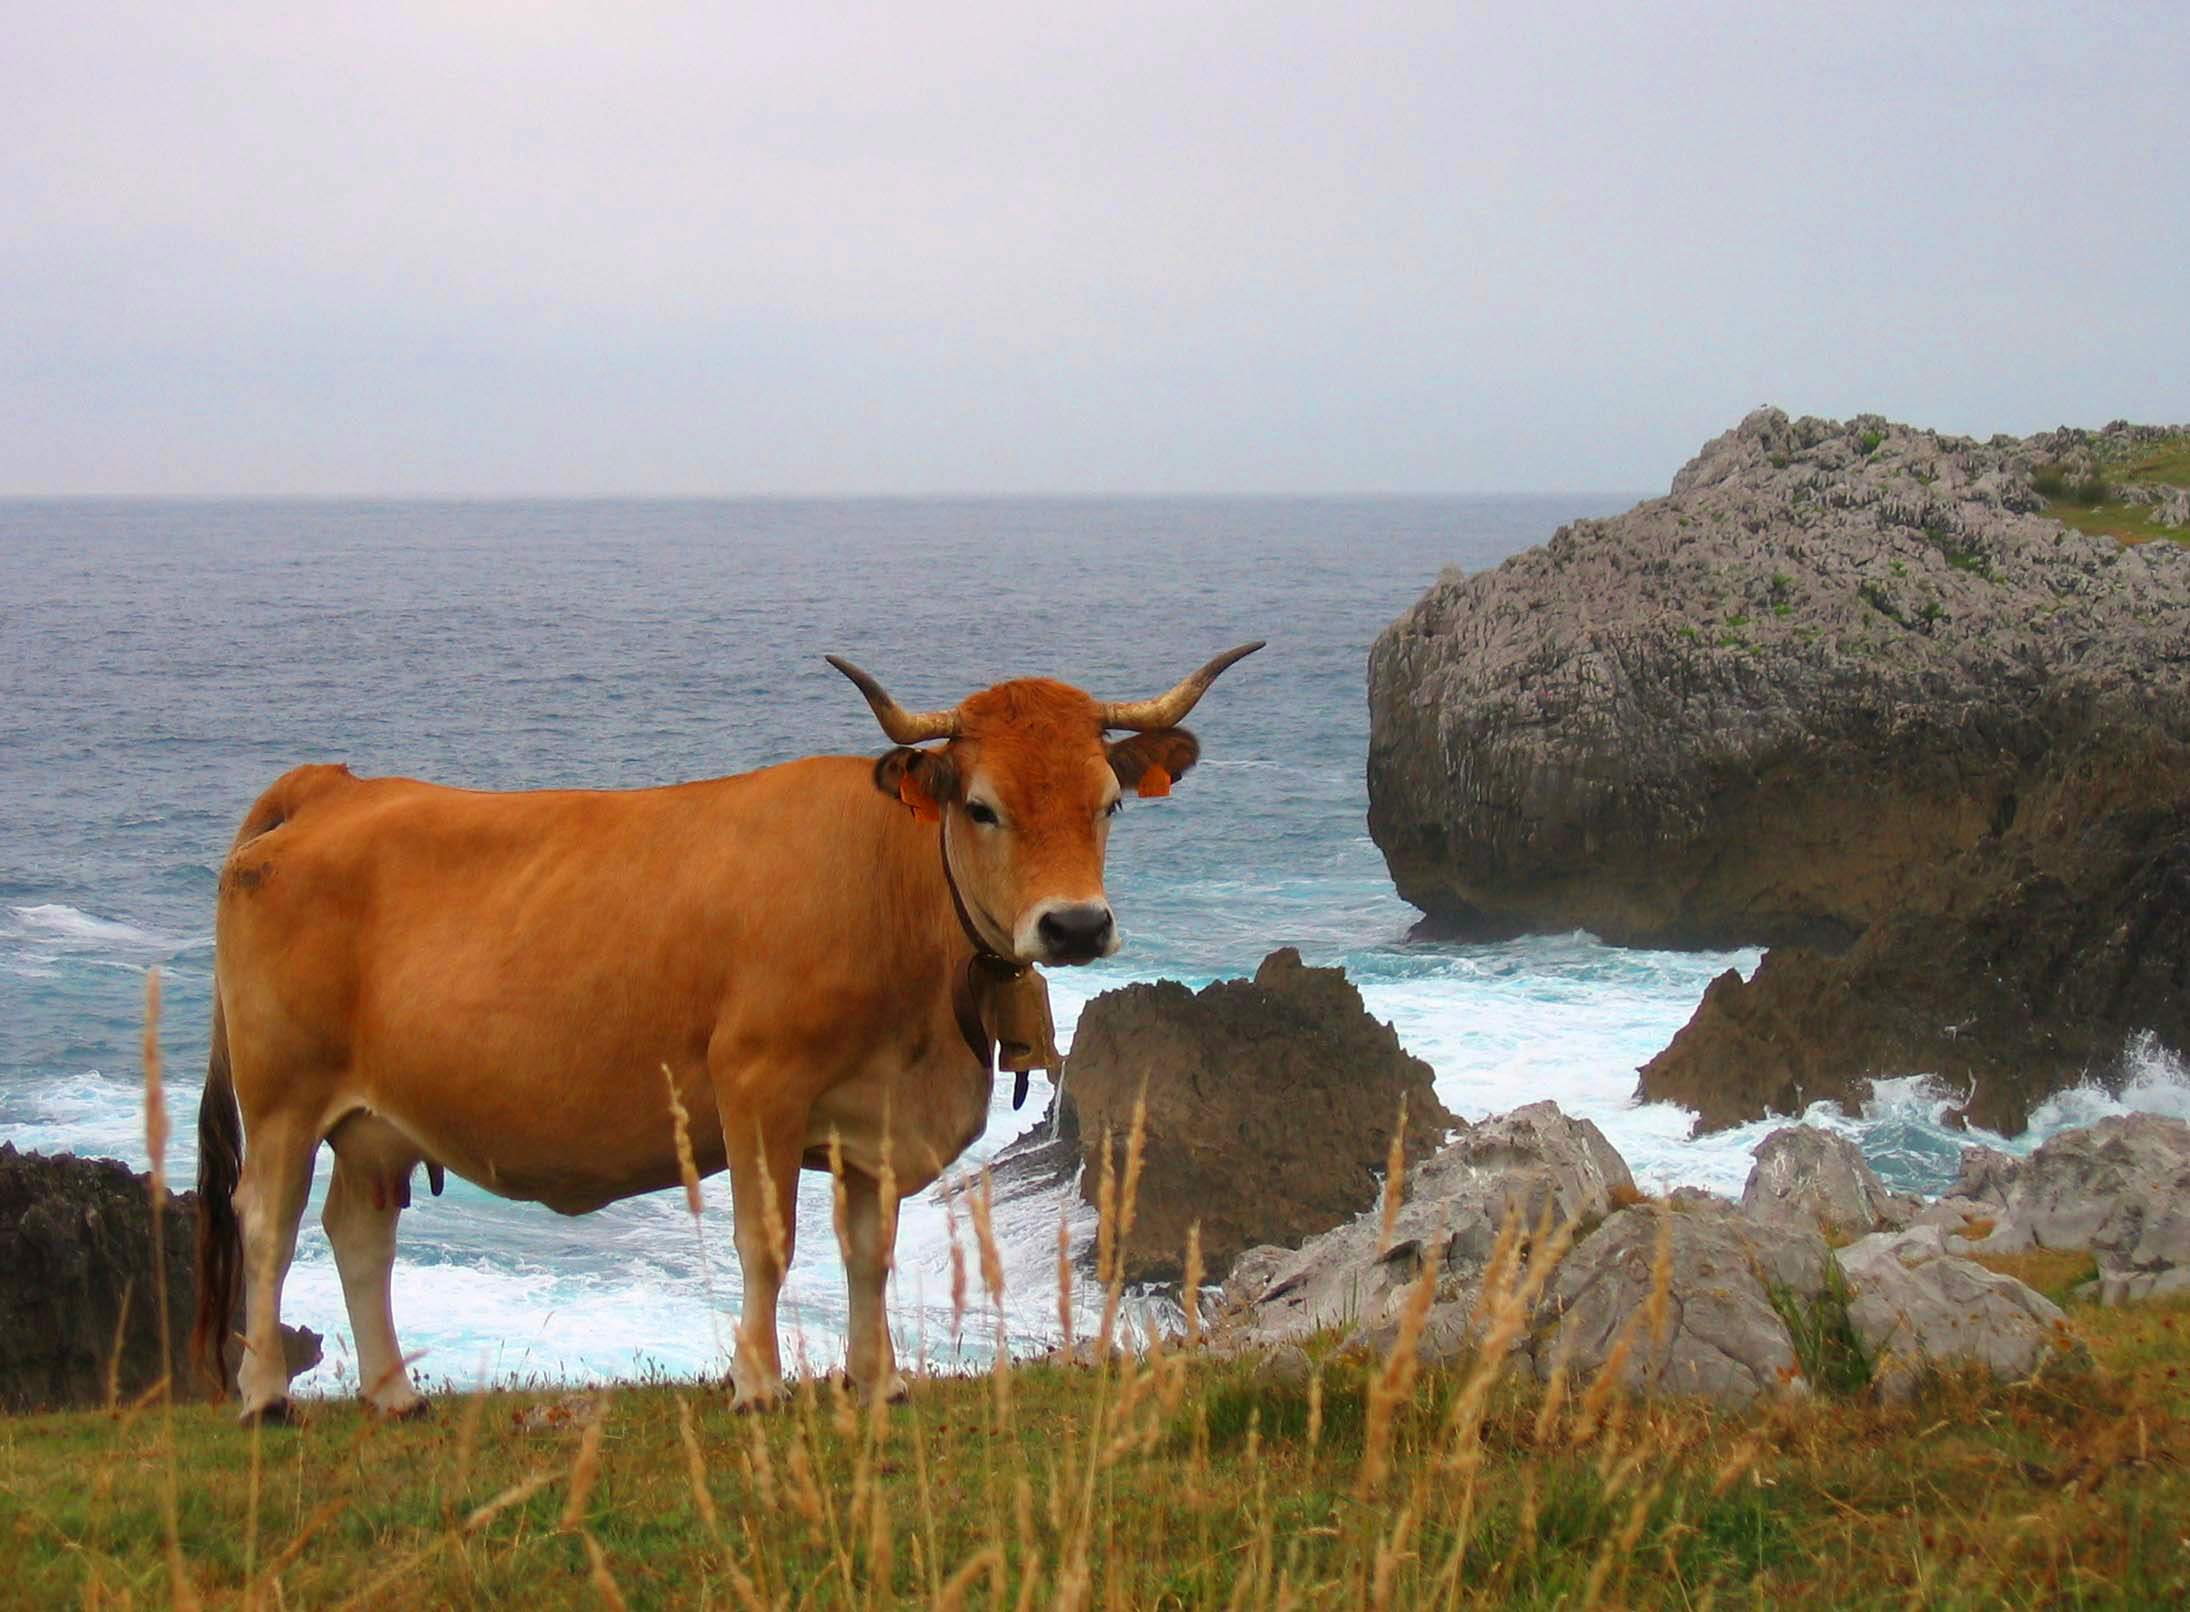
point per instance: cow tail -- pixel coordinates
(220, 1238)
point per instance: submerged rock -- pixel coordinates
(1845, 687)
(1271, 1107)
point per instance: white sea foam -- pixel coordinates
(55, 924)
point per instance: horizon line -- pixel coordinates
(1368, 494)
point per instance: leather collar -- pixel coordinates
(986, 969)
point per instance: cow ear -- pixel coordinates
(1148, 763)
(924, 780)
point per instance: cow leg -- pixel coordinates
(363, 1203)
(270, 1198)
(764, 1165)
(873, 1357)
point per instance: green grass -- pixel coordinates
(2167, 463)
(1191, 1484)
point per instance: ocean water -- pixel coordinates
(161, 662)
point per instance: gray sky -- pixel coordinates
(543, 247)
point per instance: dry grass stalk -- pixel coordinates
(1661, 1277)
(984, 1233)
(604, 1582)
(958, 1268)
(1064, 1275)
(1106, 1213)
(695, 1468)
(515, 1495)
(680, 1124)
(114, 1356)
(779, 1235)
(1315, 1409)
(1391, 1550)
(987, 1563)
(1395, 1181)
(759, 1465)
(185, 1595)
(1395, 1383)
(1136, 1144)
(1122, 1207)
(585, 1467)
(1190, 1286)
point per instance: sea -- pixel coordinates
(161, 662)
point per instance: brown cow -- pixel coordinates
(494, 983)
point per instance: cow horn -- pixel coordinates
(1169, 710)
(903, 726)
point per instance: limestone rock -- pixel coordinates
(1722, 1339)
(1917, 1304)
(1811, 1177)
(1525, 1162)
(2120, 1188)
(1845, 687)
(1271, 1104)
(76, 1262)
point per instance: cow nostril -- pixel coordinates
(1075, 929)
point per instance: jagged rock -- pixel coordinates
(1810, 1177)
(1722, 1337)
(1985, 1175)
(2120, 1188)
(1523, 1163)
(1271, 1104)
(1845, 687)
(76, 1263)
(1916, 1304)
(1252, 1274)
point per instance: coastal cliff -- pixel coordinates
(1851, 690)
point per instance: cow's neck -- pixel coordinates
(1000, 1004)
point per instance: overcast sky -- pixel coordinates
(536, 247)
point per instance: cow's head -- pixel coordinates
(1024, 786)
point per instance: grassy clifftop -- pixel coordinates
(1181, 1482)
(2112, 497)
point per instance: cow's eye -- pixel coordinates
(1115, 807)
(981, 812)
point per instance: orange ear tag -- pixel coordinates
(1154, 783)
(922, 803)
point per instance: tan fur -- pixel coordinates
(494, 982)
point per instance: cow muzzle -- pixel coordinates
(1064, 932)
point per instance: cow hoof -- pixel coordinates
(760, 1399)
(894, 1392)
(415, 1410)
(281, 1412)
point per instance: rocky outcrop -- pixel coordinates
(1747, 1288)
(77, 1274)
(1819, 1180)
(1523, 1163)
(1845, 686)
(1916, 1306)
(1271, 1106)
(1721, 1335)
(2120, 1188)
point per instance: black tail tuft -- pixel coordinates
(220, 1239)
